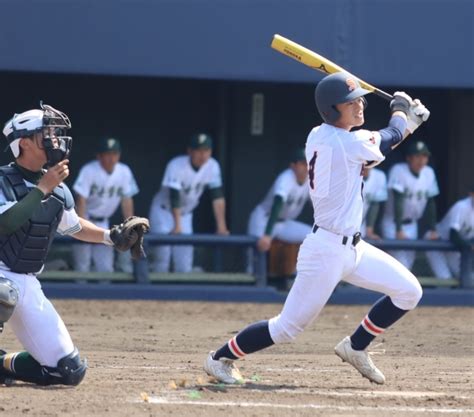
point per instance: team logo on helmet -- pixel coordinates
(351, 84)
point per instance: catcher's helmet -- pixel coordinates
(48, 121)
(336, 88)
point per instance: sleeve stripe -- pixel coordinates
(74, 229)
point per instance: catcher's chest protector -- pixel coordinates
(26, 249)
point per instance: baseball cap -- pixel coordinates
(298, 155)
(200, 141)
(108, 145)
(418, 147)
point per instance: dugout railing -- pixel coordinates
(141, 269)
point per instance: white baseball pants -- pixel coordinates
(36, 323)
(102, 256)
(290, 231)
(323, 261)
(389, 231)
(161, 221)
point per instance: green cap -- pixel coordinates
(298, 155)
(200, 141)
(418, 147)
(108, 145)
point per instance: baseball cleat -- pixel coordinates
(224, 370)
(360, 360)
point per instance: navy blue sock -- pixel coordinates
(253, 338)
(382, 315)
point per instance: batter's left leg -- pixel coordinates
(379, 272)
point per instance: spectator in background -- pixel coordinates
(275, 216)
(458, 227)
(412, 188)
(103, 185)
(375, 193)
(185, 179)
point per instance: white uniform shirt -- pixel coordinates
(335, 159)
(68, 225)
(180, 175)
(416, 190)
(104, 191)
(460, 217)
(294, 195)
(375, 189)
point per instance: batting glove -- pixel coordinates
(401, 102)
(417, 114)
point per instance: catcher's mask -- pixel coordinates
(51, 123)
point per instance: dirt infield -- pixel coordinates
(145, 360)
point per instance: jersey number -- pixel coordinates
(312, 162)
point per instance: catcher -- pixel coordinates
(34, 205)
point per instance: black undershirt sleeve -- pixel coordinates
(398, 209)
(372, 214)
(274, 213)
(175, 200)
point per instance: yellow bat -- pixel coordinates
(317, 62)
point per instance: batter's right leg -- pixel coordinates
(320, 267)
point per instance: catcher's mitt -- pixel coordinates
(129, 235)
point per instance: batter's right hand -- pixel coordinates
(264, 243)
(54, 176)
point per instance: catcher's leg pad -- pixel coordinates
(70, 370)
(9, 294)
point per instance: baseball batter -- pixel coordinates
(34, 205)
(458, 227)
(101, 186)
(275, 215)
(412, 187)
(334, 250)
(374, 192)
(185, 179)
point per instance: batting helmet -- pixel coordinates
(333, 89)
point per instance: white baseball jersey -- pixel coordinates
(104, 191)
(416, 190)
(460, 217)
(294, 195)
(375, 189)
(180, 175)
(335, 159)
